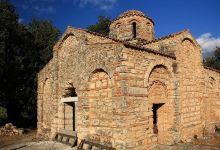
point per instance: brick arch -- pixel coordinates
(60, 44)
(133, 20)
(190, 40)
(117, 25)
(191, 54)
(154, 65)
(160, 77)
(68, 42)
(100, 112)
(94, 69)
(97, 71)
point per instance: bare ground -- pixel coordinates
(29, 136)
(211, 142)
(29, 141)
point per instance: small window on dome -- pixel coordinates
(117, 25)
(134, 25)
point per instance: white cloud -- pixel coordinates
(101, 4)
(208, 42)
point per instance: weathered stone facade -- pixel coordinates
(133, 90)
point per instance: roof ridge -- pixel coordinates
(167, 36)
(210, 68)
(127, 44)
(133, 15)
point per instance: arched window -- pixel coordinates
(134, 25)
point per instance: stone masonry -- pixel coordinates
(132, 90)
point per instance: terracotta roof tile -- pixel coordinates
(166, 37)
(133, 46)
(133, 13)
(212, 69)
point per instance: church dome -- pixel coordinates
(133, 13)
(131, 25)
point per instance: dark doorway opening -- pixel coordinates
(74, 114)
(155, 117)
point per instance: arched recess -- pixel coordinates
(153, 65)
(188, 40)
(117, 25)
(161, 102)
(68, 42)
(46, 104)
(99, 68)
(60, 44)
(191, 53)
(100, 106)
(211, 109)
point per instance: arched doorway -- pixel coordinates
(159, 96)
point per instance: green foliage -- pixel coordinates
(102, 26)
(45, 36)
(3, 115)
(214, 62)
(24, 50)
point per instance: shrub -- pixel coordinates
(3, 115)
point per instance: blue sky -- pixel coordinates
(202, 17)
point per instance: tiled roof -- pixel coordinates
(212, 69)
(133, 46)
(166, 37)
(133, 13)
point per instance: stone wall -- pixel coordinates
(123, 29)
(47, 99)
(211, 104)
(139, 74)
(193, 82)
(118, 86)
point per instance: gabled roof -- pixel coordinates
(69, 32)
(133, 46)
(167, 36)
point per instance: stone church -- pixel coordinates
(129, 89)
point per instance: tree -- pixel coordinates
(102, 26)
(24, 50)
(45, 36)
(9, 59)
(214, 62)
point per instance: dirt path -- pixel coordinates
(29, 141)
(29, 136)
